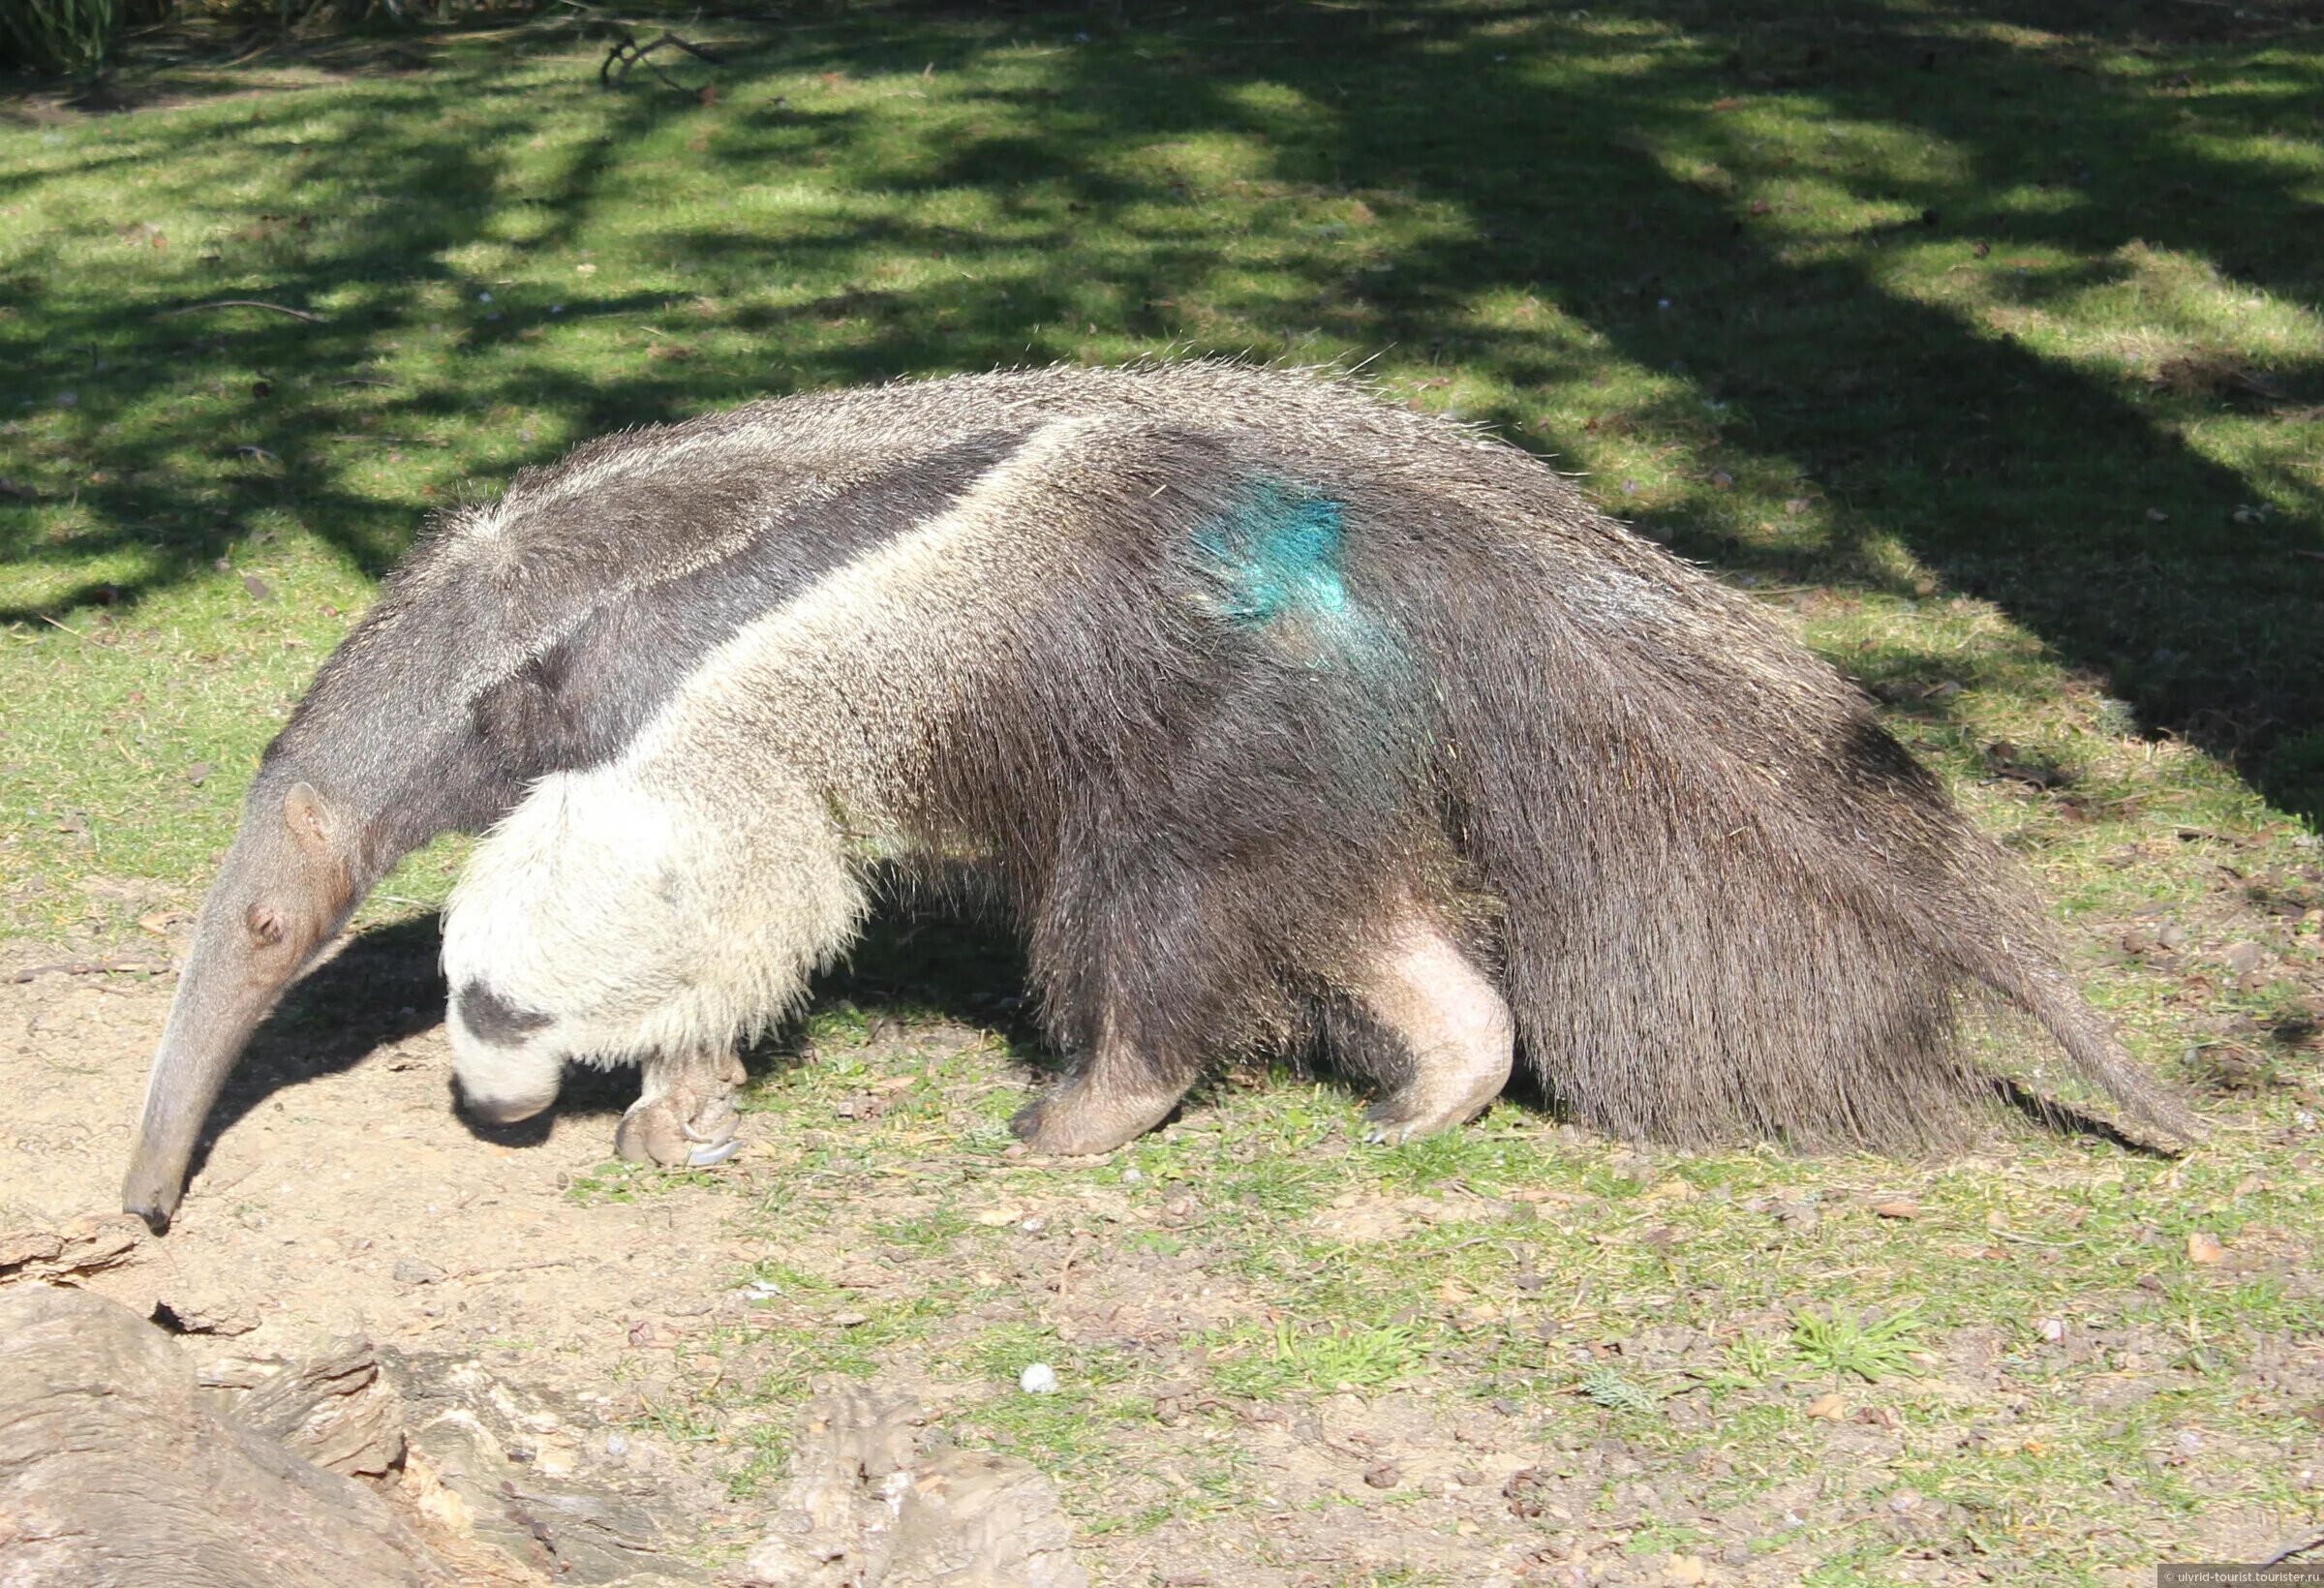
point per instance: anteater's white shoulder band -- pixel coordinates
(681, 896)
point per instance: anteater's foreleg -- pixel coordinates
(1450, 1021)
(685, 1116)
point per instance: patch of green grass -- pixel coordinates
(1289, 1358)
(787, 1279)
(681, 1419)
(1003, 1354)
(933, 1231)
(1278, 1183)
(618, 1180)
(1617, 1391)
(835, 1028)
(1750, 1363)
(1870, 1348)
(1470, 1156)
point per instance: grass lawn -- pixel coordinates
(1987, 341)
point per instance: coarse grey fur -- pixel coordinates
(1271, 708)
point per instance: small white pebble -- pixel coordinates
(2052, 1329)
(1031, 1226)
(616, 1444)
(1039, 1379)
(1132, 1176)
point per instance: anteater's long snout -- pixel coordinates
(258, 933)
(287, 887)
(217, 1008)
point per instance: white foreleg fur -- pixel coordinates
(640, 923)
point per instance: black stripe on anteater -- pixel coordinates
(581, 701)
(493, 1019)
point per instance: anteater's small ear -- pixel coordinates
(311, 821)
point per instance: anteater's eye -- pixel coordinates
(265, 925)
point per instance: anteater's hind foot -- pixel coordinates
(1452, 1024)
(1109, 1100)
(686, 1115)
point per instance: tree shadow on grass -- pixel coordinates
(190, 465)
(1639, 169)
(1621, 173)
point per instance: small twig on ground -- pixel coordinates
(628, 51)
(1323, 1437)
(92, 967)
(241, 303)
(1081, 1245)
(2312, 1541)
(219, 1188)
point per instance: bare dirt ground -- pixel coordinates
(1286, 1359)
(341, 1194)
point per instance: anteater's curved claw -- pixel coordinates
(687, 1119)
(714, 1123)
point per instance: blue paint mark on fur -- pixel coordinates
(1273, 564)
(1276, 554)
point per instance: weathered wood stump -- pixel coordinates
(115, 1475)
(119, 1470)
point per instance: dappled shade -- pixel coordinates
(2008, 304)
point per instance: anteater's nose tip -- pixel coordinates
(154, 1207)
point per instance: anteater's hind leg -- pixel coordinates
(1453, 1024)
(686, 1117)
(1116, 1094)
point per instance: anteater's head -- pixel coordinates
(288, 885)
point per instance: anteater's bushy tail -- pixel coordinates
(1733, 904)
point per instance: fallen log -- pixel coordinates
(115, 1475)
